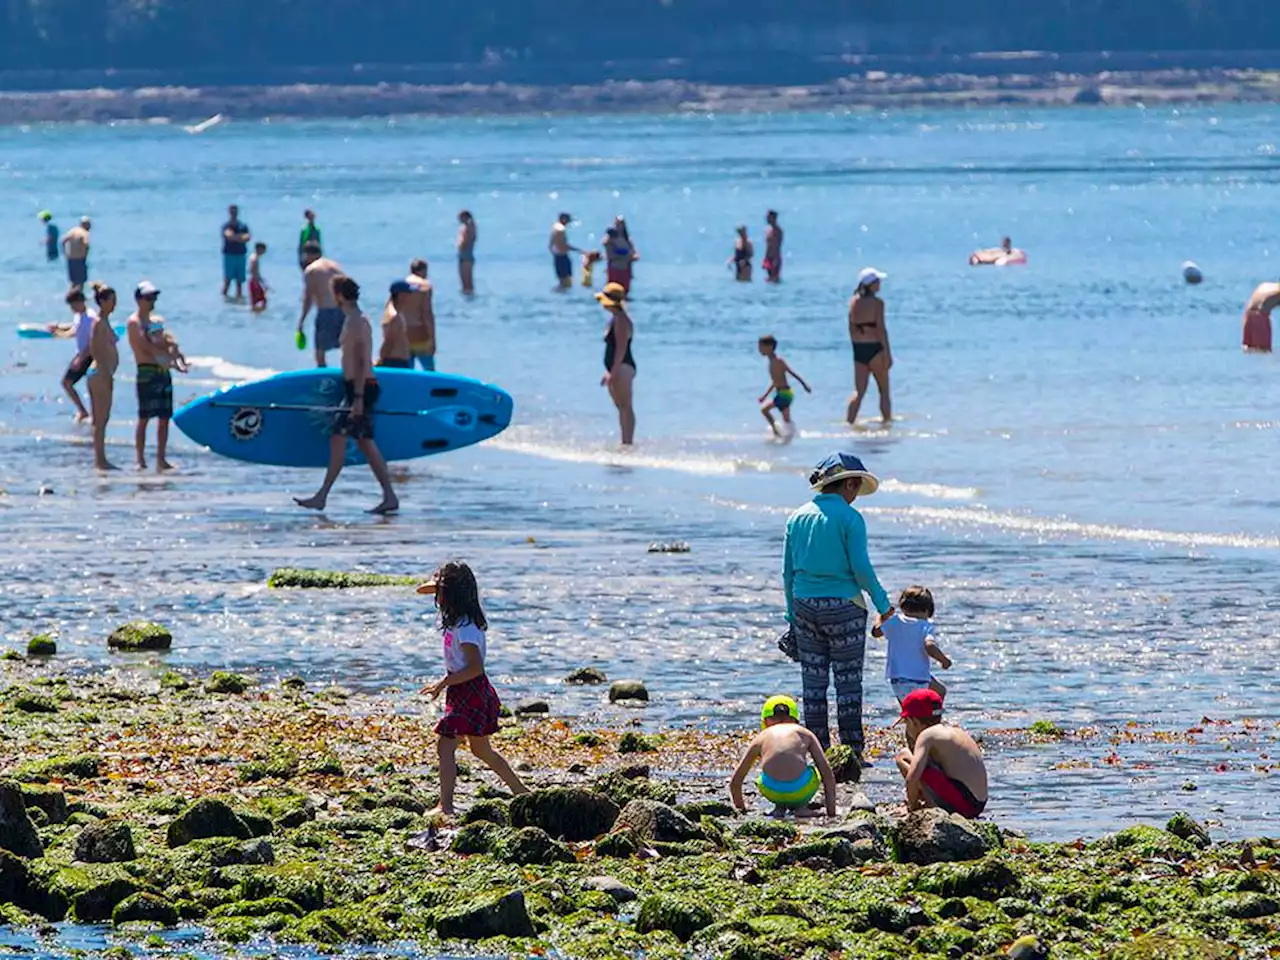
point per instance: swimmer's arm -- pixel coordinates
(799, 379)
(307, 301)
(740, 775)
(1271, 303)
(824, 769)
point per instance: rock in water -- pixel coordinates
(140, 635)
(845, 764)
(503, 915)
(42, 645)
(628, 690)
(1182, 825)
(1192, 273)
(675, 546)
(105, 843)
(568, 813)
(206, 818)
(586, 675)
(528, 707)
(17, 833)
(933, 836)
(651, 820)
(620, 892)
(145, 907)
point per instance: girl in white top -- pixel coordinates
(80, 328)
(909, 645)
(471, 703)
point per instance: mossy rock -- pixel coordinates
(476, 838)
(51, 800)
(26, 892)
(97, 903)
(12, 656)
(771, 831)
(220, 681)
(173, 680)
(258, 908)
(145, 908)
(620, 844)
(281, 765)
(1240, 906)
(286, 810)
(530, 846)
(586, 676)
(326, 765)
(140, 635)
(680, 915)
(494, 915)
(1157, 946)
(17, 833)
(837, 850)
(698, 809)
(588, 739)
(632, 742)
(987, 879)
(204, 819)
(488, 811)
(623, 789)
(42, 645)
(27, 701)
(567, 813)
(845, 763)
(1147, 841)
(1184, 827)
(651, 820)
(101, 842)
(295, 578)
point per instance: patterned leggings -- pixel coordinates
(832, 636)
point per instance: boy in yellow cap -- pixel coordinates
(787, 777)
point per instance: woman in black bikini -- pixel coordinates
(743, 251)
(619, 364)
(871, 354)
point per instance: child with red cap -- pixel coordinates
(943, 766)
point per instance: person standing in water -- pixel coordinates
(467, 235)
(75, 247)
(310, 233)
(619, 254)
(619, 364)
(79, 328)
(779, 386)
(257, 286)
(395, 351)
(102, 375)
(51, 247)
(418, 309)
(317, 289)
(772, 248)
(1257, 317)
(871, 354)
(560, 247)
(743, 252)
(235, 248)
(155, 384)
(354, 420)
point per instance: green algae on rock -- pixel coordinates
(17, 833)
(140, 635)
(221, 681)
(568, 813)
(42, 645)
(296, 578)
(203, 819)
(101, 842)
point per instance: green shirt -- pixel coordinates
(310, 234)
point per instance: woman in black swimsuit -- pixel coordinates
(619, 364)
(871, 354)
(743, 251)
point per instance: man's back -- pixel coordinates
(319, 280)
(959, 756)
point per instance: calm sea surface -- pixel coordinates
(1084, 465)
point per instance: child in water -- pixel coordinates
(589, 260)
(909, 645)
(783, 395)
(471, 703)
(257, 286)
(785, 749)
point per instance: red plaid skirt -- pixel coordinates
(470, 710)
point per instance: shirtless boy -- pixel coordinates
(467, 252)
(772, 248)
(257, 286)
(155, 383)
(1257, 317)
(317, 290)
(417, 306)
(942, 765)
(395, 334)
(354, 419)
(560, 248)
(779, 386)
(792, 764)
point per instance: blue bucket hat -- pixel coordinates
(842, 466)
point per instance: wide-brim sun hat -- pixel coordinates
(870, 275)
(427, 587)
(843, 466)
(613, 295)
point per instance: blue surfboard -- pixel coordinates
(286, 420)
(34, 331)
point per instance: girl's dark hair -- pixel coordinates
(102, 292)
(458, 596)
(346, 288)
(916, 602)
(75, 294)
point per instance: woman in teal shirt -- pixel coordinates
(825, 572)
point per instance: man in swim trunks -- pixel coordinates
(75, 247)
(317, 290)
(310, 233)
(785, 749)
(1257, 317)
(560, 248)
(417, 306)
(354, 420)
(235, 248)
(943, 766)
(772, 248)
(467, 234)
(155, 384)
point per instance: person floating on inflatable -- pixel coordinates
(1257, 317)
(1005, 255)
(787, 777)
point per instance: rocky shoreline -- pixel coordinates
(869, 90)
(151, 798)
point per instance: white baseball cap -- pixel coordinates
(870, 275)
(146, 289)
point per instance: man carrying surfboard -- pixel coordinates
(354, 419)
(317, 290)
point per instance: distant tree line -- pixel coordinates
(250, 34)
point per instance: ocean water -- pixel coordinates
(1082, 467)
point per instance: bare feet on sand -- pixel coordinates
(390, 505)
(310, 503)
(105, 465)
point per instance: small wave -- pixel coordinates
(226, 370)
(930, 491)
(1042, 526)
(700, 466)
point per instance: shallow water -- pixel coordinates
(1083, 465)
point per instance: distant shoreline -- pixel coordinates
(870, 90)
